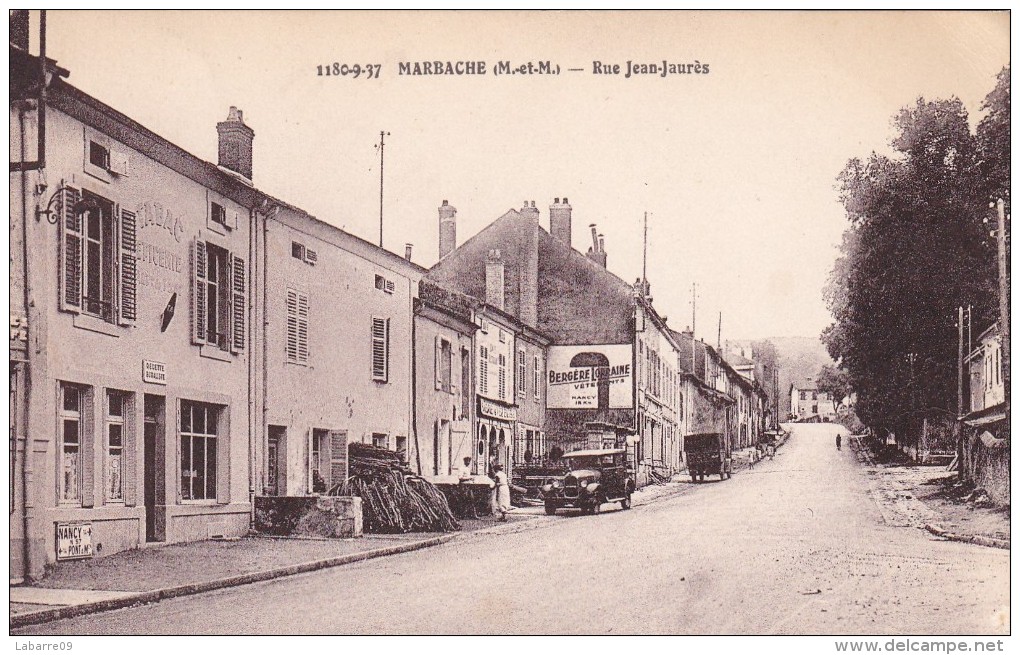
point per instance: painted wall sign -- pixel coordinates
(154, 372)
(74, 541)
(494, 410)
(155, 215)
(590, 377)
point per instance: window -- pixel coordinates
(297, 251)
(380, 349)
(383, 284)
(71, 406)
(537, 377)
(502, 336)
(483, 370)
(444, 365)
(318, 462)
(465, 383)
(814, 395)
(99, 155)
(380, 440)
(814, 409)
(502, 376)
(116, 410)
(402, 447)
(199, 422)
(297, 327)
(218, 213)
(218, 303)
(522, 372)
(803, 395)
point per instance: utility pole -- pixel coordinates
(959, 365)
(694, 308)
(718, 338)
(644, 261)
(382, 148)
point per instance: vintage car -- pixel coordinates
(708, 454)
(595, 477)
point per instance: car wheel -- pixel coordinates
(550, 509)
(625, 503)
(596, 506)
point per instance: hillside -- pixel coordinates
(797, 358)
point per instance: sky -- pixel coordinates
(736, 167)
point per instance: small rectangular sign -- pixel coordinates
(74, 541)
(154, 372)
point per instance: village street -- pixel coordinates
(792, 546)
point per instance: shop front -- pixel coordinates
(497, 425)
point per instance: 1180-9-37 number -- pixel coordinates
(337, 69)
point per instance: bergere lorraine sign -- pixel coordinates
(590, 377)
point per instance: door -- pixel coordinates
(155, 468)
(276, 461)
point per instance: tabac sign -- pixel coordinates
(590, 377)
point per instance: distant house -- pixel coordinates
(807, 403)
(985, 433)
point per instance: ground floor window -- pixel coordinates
(71, 411)
(199, 424)
(116, 406)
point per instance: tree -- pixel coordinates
(835, 382)
(915, 249)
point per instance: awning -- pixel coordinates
(986, 416)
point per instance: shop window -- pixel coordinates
(199, 435)
(380, 349)
(116, 410)
(218, 297)
(98, 268)
(297, 327)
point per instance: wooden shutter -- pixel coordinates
(222, 455)
(292, 329)
(337, 457)
(302, 327)
(380, 349)
(439, 362)
(129, 450)
(198, 291)
(128, 268)
(87, 448)
(70, 251)
(238, 305)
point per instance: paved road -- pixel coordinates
(793, 546)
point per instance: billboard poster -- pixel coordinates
(590, 377)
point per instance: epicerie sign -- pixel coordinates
(590, 377)
(74, 540)
(154, 372)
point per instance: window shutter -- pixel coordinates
(310, 448)
(337, 457)
(380, 355)
(292, 328)
(439, 362)
(239, 305)
(223, 457)
(70, 251)
(198, 291)
(127, 466)
(302, 327)
(128, 268)
(87, 450)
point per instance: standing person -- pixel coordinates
(839, 441)
(502, 495)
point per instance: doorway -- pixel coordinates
(155, 468)
(276, 461)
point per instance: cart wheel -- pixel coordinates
(550, 509)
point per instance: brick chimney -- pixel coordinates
(494, 280)
(527, 262)
(407, 251)
(559, 220)
(447, 229)
(235, 143)
(597, 252)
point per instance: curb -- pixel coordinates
(978, 539)
(145, 597)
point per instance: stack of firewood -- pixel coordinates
(393, 500)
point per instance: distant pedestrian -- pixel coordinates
(502, 496)
(839, 441)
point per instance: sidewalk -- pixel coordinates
(928, 497)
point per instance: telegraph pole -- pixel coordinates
(382, 147)
(1000, 234)
(644, 261)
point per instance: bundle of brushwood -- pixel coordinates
(393, 500)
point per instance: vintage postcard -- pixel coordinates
(686, 323)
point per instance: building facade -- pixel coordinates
(132, 419)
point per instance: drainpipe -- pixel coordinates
(264, 421)
(249, 295)
(28, 476)
(414, 388)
